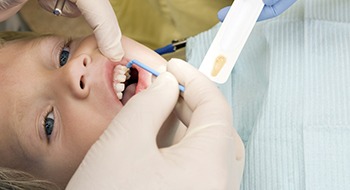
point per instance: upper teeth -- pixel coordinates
(121, 74)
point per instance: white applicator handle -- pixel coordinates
(230, 39)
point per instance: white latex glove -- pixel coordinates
(102, 19)
(210, 156)
(98, 13)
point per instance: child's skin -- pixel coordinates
(34, 88)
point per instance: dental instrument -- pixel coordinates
(150, 70)
(170, 48)
(58, 7)
(230, 39)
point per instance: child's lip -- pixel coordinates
(109, 67)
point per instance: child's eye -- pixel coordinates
(64, 55)
(49, 123)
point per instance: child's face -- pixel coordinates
(75, 102)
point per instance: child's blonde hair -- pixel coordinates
(11, 179)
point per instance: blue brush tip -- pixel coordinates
(149, 69)
(129, 64)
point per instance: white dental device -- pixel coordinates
(230, 39)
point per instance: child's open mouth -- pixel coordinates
(127, 82)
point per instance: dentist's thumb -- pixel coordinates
(147, 111)
(130, 136)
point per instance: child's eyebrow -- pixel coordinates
(44, 38)
(34, 39)
(47, 44)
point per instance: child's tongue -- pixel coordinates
(128, 93)
(144, 80)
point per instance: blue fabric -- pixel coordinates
(290, 95)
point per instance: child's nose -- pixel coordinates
(76, 73)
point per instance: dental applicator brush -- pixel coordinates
(149, 69)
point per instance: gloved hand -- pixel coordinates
(271, 9)
(9, 8)
(99, 14)
(101, 17)
(209, 156)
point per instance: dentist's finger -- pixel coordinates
(202, 97)
(102, 19)
(145, 113)
(129, 139)
(183, 111)
(271, 9)
(274, 8)
(211, 126)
